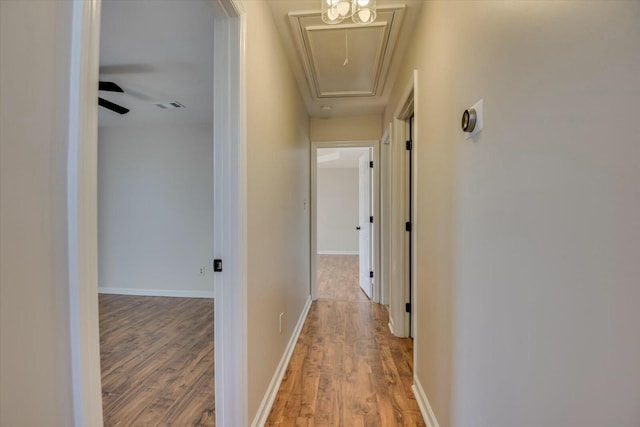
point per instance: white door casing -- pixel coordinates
(385, 216)
(402, 285)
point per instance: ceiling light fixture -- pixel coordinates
(360, 11)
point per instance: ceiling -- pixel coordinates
(158, 52)
(332, 158)
(344, 69)
(162, 51)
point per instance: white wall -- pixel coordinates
(350, 128)
(155, 209)
(278, 185)
(337, 199)
(35, 367)
(528, 236)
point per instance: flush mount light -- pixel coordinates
(360, 11)
(334, 11)
(364, 11)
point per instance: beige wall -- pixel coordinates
(278, 200)
(351, 128)
(35, 360)
(528, 235)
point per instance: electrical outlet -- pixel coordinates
(202, 271)
(280, 322)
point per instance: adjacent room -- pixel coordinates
(155, 213)
(344, 233)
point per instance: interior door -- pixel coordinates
(364, 208)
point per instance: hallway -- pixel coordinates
(347, 369)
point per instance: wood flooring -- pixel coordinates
(347, 369)
(157, 361)
(338, 278)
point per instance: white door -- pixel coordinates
(364, 207)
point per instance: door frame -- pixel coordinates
(375, 146)
(400, 323)
(385, 214)
(229, 238)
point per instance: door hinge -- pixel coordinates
(407, 307)
(409, 145)
(407, 226)
(371, 219)
(371, 274)
(371, 164)
(217, 265)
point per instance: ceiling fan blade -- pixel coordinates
(111, 106)
(109, 87)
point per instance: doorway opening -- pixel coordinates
(345, 205)
(228, 188)
(344, 231)
(155, 213)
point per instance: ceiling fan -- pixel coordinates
(111, 87)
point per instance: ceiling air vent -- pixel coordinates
(169, 105)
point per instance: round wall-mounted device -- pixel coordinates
(469, 118)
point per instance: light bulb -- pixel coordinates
(343, 8)
(364, 15)
(363, 2)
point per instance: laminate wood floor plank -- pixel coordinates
(347, 369)
(157, 358)
(334, 271)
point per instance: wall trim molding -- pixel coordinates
(423, 403)
(270, 396)
(157, 292)
(338, 252)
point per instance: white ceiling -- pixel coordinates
(162, 51)
(317, 53)
(332, 158)
(157, 51)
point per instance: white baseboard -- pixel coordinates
(157, 292)
(338, 253)
(425, 408)
(270, 396)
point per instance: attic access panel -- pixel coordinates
(346, 61)
(324, 48)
